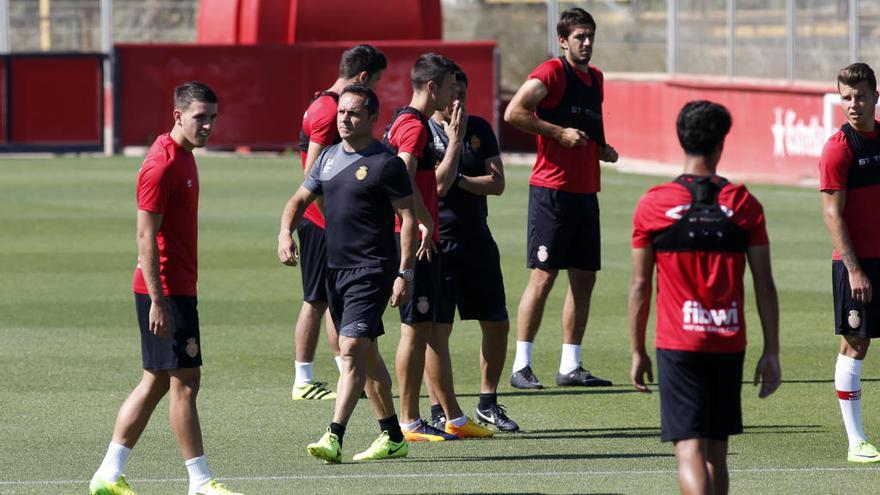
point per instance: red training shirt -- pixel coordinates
(557, 167)
(319, 124)
(408, 135)
(168, 183)
(699, 293)
(861, 202)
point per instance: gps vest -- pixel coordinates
(303, 137)
(865, 168)
(580, 107)
(704, 225)
(429, 153)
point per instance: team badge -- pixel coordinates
(854, 319)
(192, 348)
(475, 142)
(361, 173)
(423, 305)
(543, 254)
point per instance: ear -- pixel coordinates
(431, 86)
(177, 114)
(563, 42)
(362, 77)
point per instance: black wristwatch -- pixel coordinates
(408, 274)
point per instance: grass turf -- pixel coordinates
(70, 353)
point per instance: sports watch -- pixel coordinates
(407, 274)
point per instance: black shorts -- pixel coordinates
(852, 317)
(699, 394)
(312, 261)
(357, 299)
(471, 281)
(563, 230)
(182, 349)
(422, 307)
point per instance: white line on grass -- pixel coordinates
(517, 474)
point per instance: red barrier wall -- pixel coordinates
(44, 111)
(777, 135)
(263, 90)
(299, 21)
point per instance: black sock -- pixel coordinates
(338, 430)
(391, 425)
(487, 401)
(436, 410)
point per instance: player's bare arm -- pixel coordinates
(447, 169)
(521, 114)
(405, 209)
(291, 216)
(425, 221)
(312, 154)
(148, 224)
(833, 204)
(768, 372)
(491, 184)
(639, 308)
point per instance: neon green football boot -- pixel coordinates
(863, 453)
(327, 448)
(383, 448)
(214, 487)
(99, 486)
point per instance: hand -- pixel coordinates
(768, 374)
(641, 365)
(573, 137)
(287, 250)
(860, 285)
(608, 154)
(160, 319)
(401, 293)
(457, 125)
(427, 248)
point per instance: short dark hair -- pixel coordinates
(855, 73)
(431, 67)
(460, 76)
(361, 58)
(371, 101)
(571, 18)
(701, 126)
(192, 91)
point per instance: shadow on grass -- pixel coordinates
(541, 457)
(753, 429)
(584, 433)
(562, 391)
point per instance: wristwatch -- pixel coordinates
(408, 274)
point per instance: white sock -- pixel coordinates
(305, 373)
(459, 422)
(523, 355)
(199, 474)
(571, 358)
(847, 374)
(114, 462)
(411, 426)
(338, 360)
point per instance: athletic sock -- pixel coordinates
(847, 375)
(199, 474)
(114, 462)
(411, 426)
(338, 360)
(523, 355)
(338, 430)
(571, 358)
(391, 425)
(436, 410)
(305, 373)
(459, 422)
(487, 401)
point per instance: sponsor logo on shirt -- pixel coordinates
(696, 318)
(873, 160)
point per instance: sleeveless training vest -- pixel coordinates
(705, 225)
(580, 107)
(429, 154)
(865, 168)
(303, 137)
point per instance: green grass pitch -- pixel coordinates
(69, 353)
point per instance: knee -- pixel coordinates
(541, 281)
(855, 347)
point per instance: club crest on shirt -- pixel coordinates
(475, 142)
(543, 254)
(854, 319)
(189, 182)
(423, 305)
(361, 173)
(192, 348)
